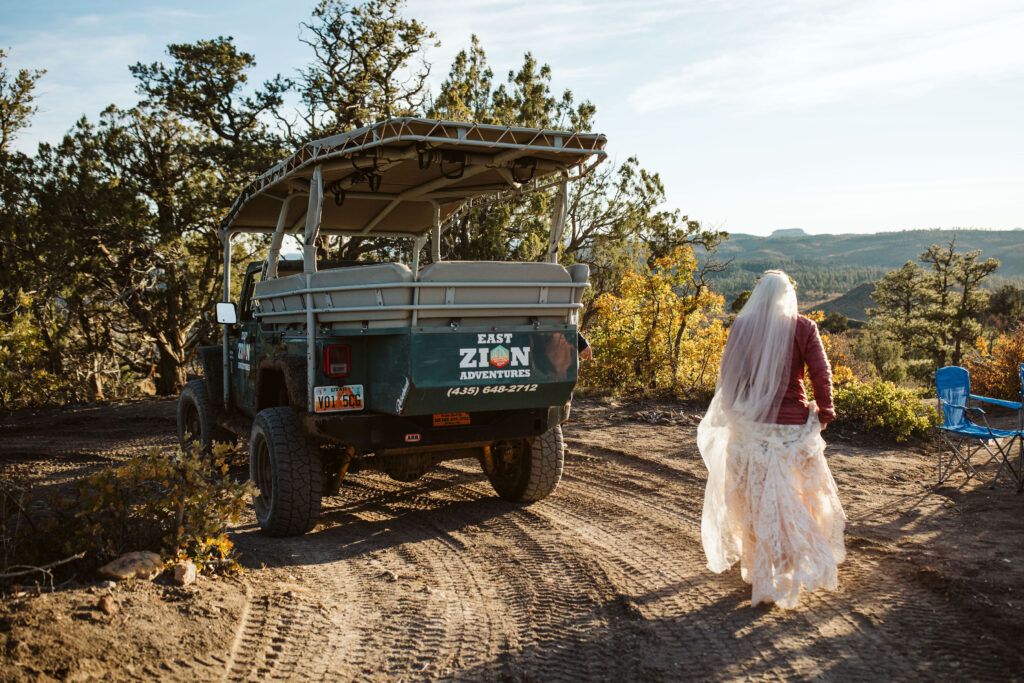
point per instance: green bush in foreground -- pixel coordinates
(886, 407)
(172, 502)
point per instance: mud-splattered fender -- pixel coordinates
(293, 369)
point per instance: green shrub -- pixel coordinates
(883, 354)
(886, 407)
(27, 378)
(19, 536)
(178, 504)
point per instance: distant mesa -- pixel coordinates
(788, 232)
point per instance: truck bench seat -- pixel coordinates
(537, 275)
(283, 295)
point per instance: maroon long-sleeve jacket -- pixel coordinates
(808, 352)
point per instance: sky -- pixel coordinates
(833, 117)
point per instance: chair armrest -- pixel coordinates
(971, 408)
(1012, 405)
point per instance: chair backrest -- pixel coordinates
(953, 386)
(1021, 373)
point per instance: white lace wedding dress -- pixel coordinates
(772, 505)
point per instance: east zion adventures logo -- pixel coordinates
(494, 362)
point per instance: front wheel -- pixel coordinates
(527, 470)
(196, 422)
(287, 471)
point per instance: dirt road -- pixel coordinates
(604, 580)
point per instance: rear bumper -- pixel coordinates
(374, 432)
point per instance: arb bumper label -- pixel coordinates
(335, 399)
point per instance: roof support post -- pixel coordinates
(417, 246)
(558, 218)
(274, 255)
(316, 192)
(225, 238)
(435, 234)
(316, 195)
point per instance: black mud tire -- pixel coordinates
(531, 469)
(196, 418)
(287, 470)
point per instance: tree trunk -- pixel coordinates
(170, 371)
(95, 381)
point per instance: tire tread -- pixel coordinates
(298, 478)
(547, 460)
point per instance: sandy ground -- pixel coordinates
(603, 580)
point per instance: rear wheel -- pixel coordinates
(196, 422)
(526, 471)
(287, 471)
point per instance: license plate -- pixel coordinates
(450, 419)
(335, 399)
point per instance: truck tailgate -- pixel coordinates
(478, 371)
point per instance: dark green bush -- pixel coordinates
(178, 504)
(883, 354)
(884, 407)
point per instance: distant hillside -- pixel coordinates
(829, 265)
(853, 304)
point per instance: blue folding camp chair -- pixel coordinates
(965, 438)
(1020, 461)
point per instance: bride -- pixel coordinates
(771, 502)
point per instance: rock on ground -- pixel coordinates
(184, 573)
(142, 564)
(107, 604)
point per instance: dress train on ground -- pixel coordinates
(772, 505)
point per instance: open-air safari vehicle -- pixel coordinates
(392, 366)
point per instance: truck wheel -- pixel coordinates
(287, 471)
(526, 472)
(195, 418)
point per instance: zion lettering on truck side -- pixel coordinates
(516, 358)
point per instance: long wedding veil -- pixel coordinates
(751, 383)
(758, 355)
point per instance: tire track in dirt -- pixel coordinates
(604, 579)
(273, 637)
(477, 598)
(828, 614)
(397, 589)
(656, 583)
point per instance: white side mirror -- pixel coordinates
(226, 314)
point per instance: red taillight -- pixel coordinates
(336, 360)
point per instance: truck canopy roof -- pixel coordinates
(386, 178)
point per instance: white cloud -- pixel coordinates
(543, 27)
(805, 56)
(85, 73)
(86, 58)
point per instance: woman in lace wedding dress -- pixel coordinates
(771, 502)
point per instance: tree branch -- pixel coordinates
(45, 568)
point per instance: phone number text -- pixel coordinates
(500, 389)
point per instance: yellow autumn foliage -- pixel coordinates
(995, 365)
(661, 332)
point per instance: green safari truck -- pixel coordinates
(335, 367)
